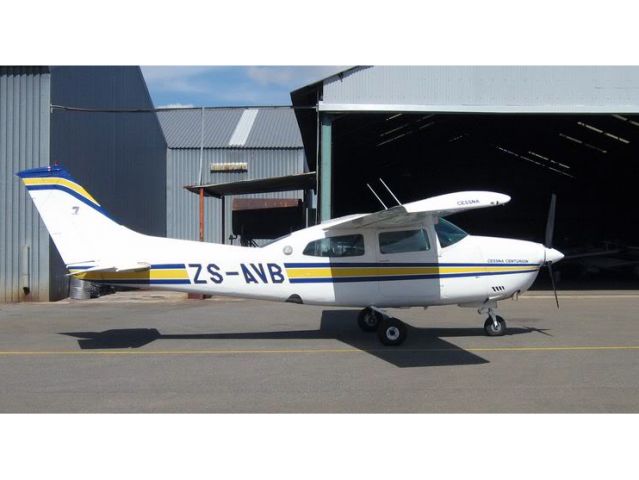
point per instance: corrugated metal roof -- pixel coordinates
(489, 89)
(272, 128)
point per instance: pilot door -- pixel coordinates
(407, 260)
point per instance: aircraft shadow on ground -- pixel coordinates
(423, 347)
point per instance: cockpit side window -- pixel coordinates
(341, 246)
(404, 241)
(448, 233)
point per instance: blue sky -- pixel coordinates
(224, 86)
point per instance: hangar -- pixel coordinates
(523, 131)
(223, 146)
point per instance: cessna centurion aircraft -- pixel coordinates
(404, 256)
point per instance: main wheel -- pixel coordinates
(391, 332)
(495, 331)
(368, 319)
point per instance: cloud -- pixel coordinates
(226, 85)
(289, 77)
(177, 79)
(177, 105)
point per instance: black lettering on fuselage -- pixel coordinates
(216, 277)
(198, 270)
(259, 271)
(248, 276)
(276, 273)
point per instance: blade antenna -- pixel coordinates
(377, 197)
(391, 192)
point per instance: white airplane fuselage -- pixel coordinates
(470, 271)
(408, 255)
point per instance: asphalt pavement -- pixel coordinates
(134, 352)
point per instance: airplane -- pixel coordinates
(405, 256)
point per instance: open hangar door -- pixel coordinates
(589, 161)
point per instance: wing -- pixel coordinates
(416, 212)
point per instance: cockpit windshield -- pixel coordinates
(448, 233)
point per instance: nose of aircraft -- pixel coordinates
(552, 255)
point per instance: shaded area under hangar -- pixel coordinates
(589, 161)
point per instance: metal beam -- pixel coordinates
(201, 219)
(325, 168)
(488, 108)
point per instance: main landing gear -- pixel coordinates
(390, 330)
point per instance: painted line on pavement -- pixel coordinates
(18, 353)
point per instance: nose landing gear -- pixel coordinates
(494, 326)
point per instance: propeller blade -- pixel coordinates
(552, 281)
(550, 224)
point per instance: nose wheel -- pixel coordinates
(495, 327)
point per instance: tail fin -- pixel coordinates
(81, 230)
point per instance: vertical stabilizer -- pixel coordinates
(80, 228)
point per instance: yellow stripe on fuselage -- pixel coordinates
(336, 272)
(169, 274)
(60, 181)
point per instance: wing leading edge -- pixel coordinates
(415, 212)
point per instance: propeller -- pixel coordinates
(550, 230)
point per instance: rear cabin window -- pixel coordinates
(404, 241)
(342, 246)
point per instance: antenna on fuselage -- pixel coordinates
(391, 192)
(377, 196)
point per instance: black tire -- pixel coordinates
(491, 331)
(368, 319)
(391, 332)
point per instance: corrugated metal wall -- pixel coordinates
(183, 169)
(120, 158)
(24, 143)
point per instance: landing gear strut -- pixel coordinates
(390, 331)
(494, 326)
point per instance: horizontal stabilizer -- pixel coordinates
(131, 267)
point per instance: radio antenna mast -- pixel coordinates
(376, 196)
(391, 192)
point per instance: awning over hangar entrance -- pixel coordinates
(301, 181)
